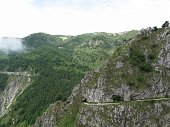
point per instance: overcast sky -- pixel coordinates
(19, 18)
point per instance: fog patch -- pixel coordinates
(11, 44)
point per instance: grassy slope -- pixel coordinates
(134, 59)
(93, 49)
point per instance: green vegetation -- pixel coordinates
(57, 75)
(138, 81)
(117, 98)
(59, 65)
(3, 55)
(138, 58)
(93, 49)
(147, 67)
(3, 81)
(70, 116)
(38, 40)
(143, 54)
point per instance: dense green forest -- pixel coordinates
(56, 76)
(58, 65)
(3, 81)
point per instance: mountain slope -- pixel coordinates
(138, 71)
(55, 70)
(94, 48)
(56, 75)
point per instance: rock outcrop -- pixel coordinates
(139, 114)
(103, 85)
(166, 24)
(16, 85)
(139, 71)
(53, 114)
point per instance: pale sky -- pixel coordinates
(19, 18)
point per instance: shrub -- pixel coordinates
(136, 56)
(131, 83)
(155, 28)
(117, 98)
(147, 67)
(151, 56)
(144, 37)
(140, 79)
(154, 45)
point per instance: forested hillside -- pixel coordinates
(58, 63)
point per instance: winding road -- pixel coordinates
(16, 73)
(117, 103)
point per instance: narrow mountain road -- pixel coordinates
(109, 103)
(16, 73)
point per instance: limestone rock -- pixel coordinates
(15, 86)
(126, 115)
(166, 24)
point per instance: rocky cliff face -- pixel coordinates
(16, 85)
(116, 77)
(58, 111)
(103, 87)
(51, 116)
(136, 114)
(108, 97)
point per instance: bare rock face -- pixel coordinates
(119, 64)
(139, 114)
(51, 116)
(146, 31)
(112, 81)
(98, 87)
(96, 94)
(164, 56)
(15, 86)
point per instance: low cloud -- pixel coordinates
(11, 44)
